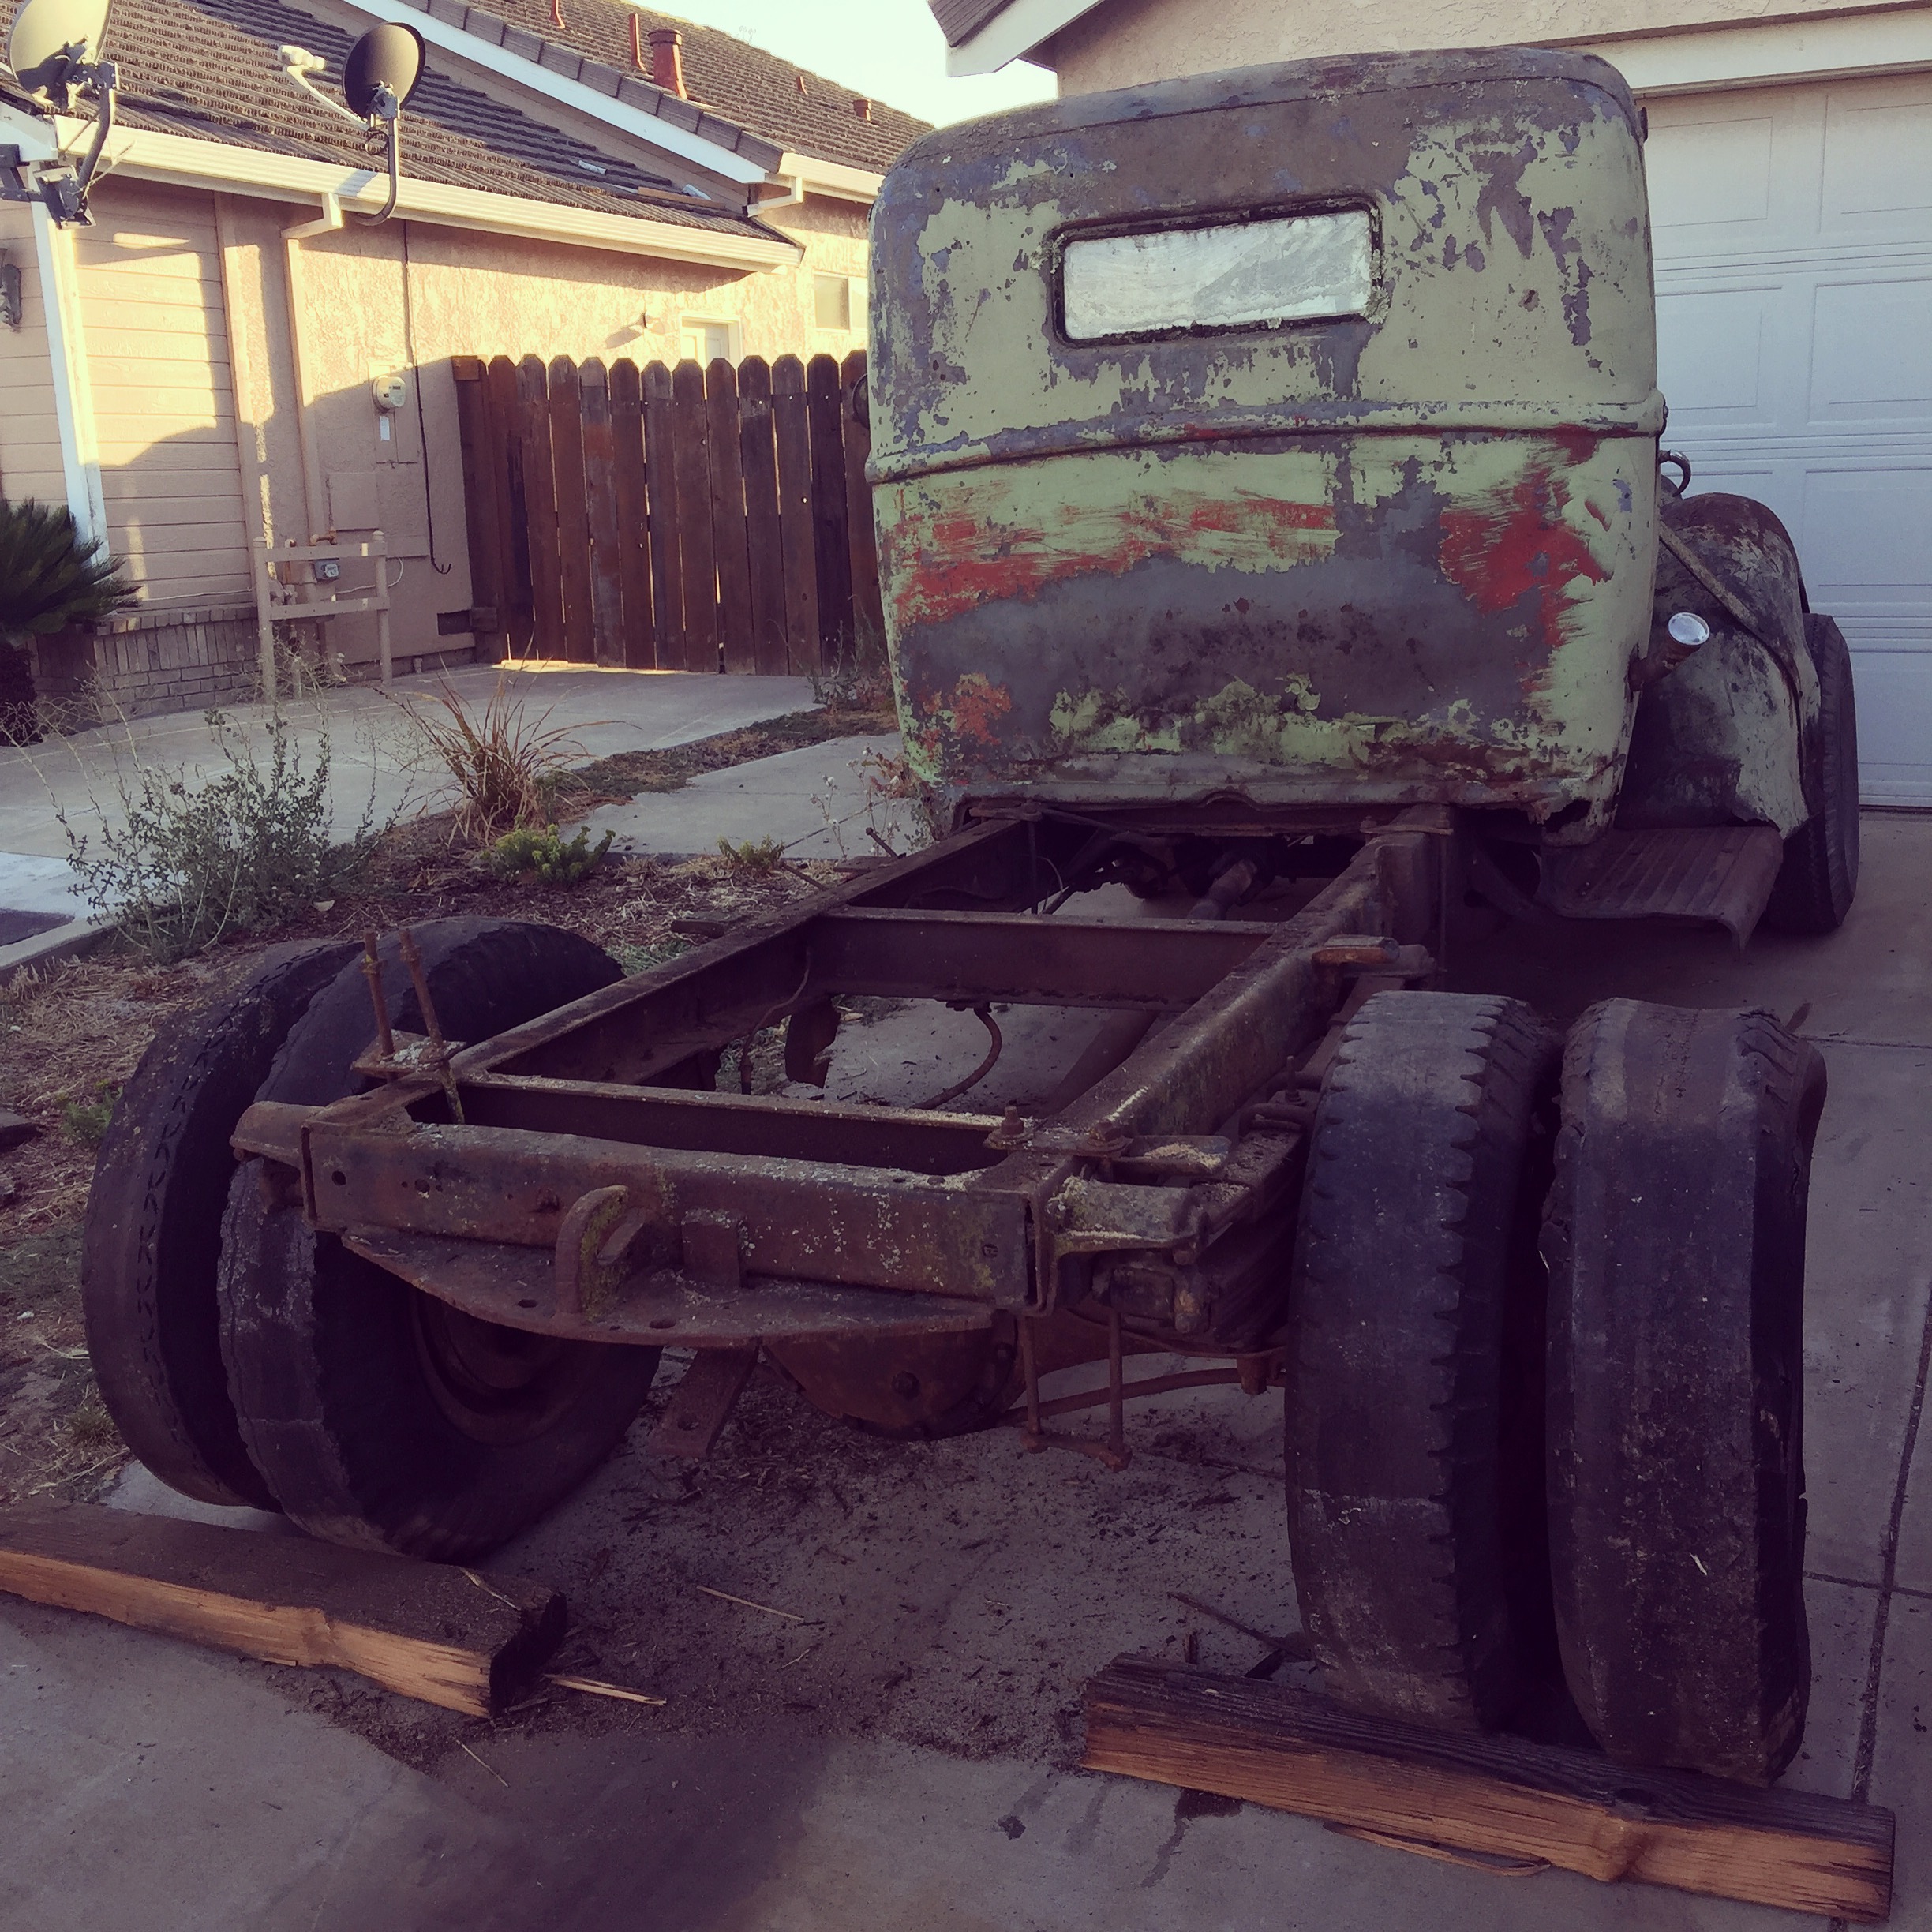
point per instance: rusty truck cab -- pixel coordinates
(1287, 436)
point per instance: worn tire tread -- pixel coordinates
(320, 1355)
(148, 1254)
(1411, 1239)
(1675, 1238)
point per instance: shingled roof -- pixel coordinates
(209, 69)
(800, 111)
(959, 19)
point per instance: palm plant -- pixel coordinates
(50, 578)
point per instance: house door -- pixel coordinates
(1793, 231)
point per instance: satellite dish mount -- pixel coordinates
(382, 71)
(53, 50)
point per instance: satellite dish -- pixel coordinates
(387, 60)
(49, 39)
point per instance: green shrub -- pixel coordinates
(191, 864)
(756, 856)
(552, 861)
(49, 579)
(86, 1120)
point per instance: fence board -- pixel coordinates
(868, 611)
(727, 518)
(634, 565)
(660, 482)
(600, 465)
(690, 519)
(830, 526)
(758, 460)
(512, 535)
(540, 508)
(795, 513)
(483, 484)
(573, 508)
(697, 562)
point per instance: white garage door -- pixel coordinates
(1794, 255)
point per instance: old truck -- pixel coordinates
(1272, 521)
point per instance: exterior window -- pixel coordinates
(704, 341)
(1231, 275)
(831, 301)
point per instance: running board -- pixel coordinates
(1721, 874)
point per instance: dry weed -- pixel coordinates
(502, 761)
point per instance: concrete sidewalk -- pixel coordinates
(376, 760)
(901, 1757)
(822, 801)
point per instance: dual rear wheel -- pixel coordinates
(1545, 1379)
(247, 1360)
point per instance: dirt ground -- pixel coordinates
(856, 1619)
(71, 1036)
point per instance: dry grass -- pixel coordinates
(502, 761)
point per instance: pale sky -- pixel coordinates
(891, 49)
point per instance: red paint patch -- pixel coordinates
(958, 561)
(1516, 543)
(977, 703)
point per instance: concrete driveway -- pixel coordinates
(899, 1749)
(377, 761)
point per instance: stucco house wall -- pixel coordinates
(1126, 43)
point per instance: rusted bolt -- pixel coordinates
(905, 1385)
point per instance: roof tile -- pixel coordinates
(209, 70)
(740, 82)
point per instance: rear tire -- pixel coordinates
(1818, 879)
(1675, 1237)
(1414, 1497)
(382, 1418)
(151, 1241)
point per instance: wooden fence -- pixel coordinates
(690, 519)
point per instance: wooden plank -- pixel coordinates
(567, 453)
(633, 570)
(831, 536)
(697, 561)
(540, 509)
(701, 1402)
(600, 469)
(758, 462)
(661, 487)
(1492, 1795)
(480, 483)
(727, 518)
(792, 425)
(868, 610)
(512, 536)
(465, 1641)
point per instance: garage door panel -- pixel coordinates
(1895, 767)
(1733, 174)
(1713, 172)
(1715, 344)
(1877, 168)
(1866, 531)
(1872, 352)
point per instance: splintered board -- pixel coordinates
(448, 1636)
(1495, 1797)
